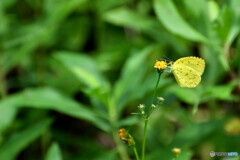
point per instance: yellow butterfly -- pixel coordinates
(188, 70)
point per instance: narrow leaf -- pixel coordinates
(47, 98)
(17, 142)
(168, 14)
(54, 152)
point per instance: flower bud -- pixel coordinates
(153, 106)
(141, 106)
(130, 140)
(232, 126)
(160, 100)
(143, 112)
(176, 151)
(126, 137)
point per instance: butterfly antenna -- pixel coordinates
(166, 58)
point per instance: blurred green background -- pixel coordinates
(72, 72)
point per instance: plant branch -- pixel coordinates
(135, 151)
(147, 116)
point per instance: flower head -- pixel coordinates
(153, 106)
(122, 133)
(160, 100)
(233, 126)
(141, 106)
(176, 151)
(126, 137)
(160, 65)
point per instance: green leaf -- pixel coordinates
(18, 141)
(129, 121)
(37, 34)
(169, 16)
(75, 37)
(47, 98)
(195, 133)
(7, 3)
(126, 17)
(83, 67)
(233, 33)
(7, 115)
(108, 4)
(123, 16)
(131, 78)
(224, 23)
(197, 16)
(235, 29)
(86, 71)
(187, 95)
(213, 10)
(185, 155)
(222, 92)
(54, 152)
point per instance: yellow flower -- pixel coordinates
(122, 133)
(176, 151)
(160, 65)
(126, 137)
(233, 126)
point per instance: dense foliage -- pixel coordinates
(72, 72)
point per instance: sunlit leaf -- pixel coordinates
(7, 115)
(126, 17)
(86, 71)
(131, 77)
(47, 98)
(83, 67)
(187, 95)
(222, 92)
(54, 152)
(168, 14)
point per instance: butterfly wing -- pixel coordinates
(198, 64)
(186, 76)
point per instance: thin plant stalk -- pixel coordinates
(113, 119)
(136, 153)
(147, 115)
(144, 139)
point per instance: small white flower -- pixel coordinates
(153, 106)
(141, 106)
(161, 99)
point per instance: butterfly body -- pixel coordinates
(188, 70)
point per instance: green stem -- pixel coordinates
(120, 147)
(147, 115)
(135, 151)
(144, 139)
(113, 121)
(154, 93)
